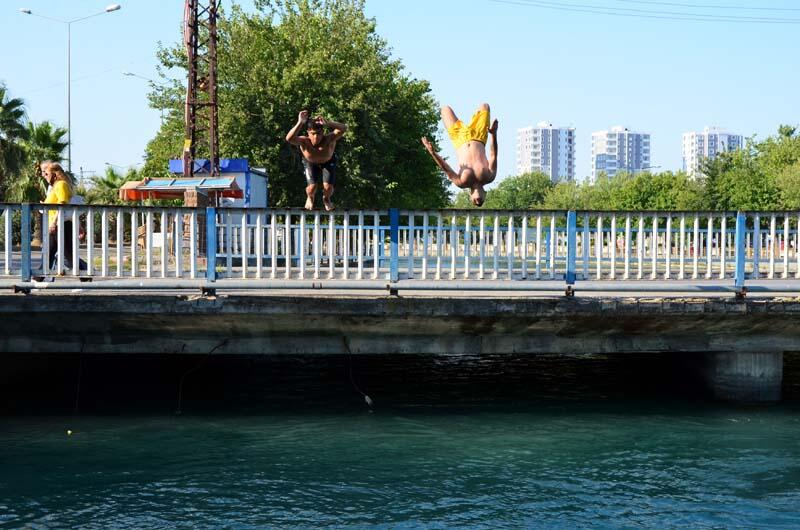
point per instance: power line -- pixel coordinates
(708, 6)
(651, 13)
(642, 13)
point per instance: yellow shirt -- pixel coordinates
(60, 193)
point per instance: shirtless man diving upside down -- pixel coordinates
(319, 158)
(474, 169)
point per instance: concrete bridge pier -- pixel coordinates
(744, 377)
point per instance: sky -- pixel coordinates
(531, 60)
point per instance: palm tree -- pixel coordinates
(12, 132)
(44, 142)
(105, 188)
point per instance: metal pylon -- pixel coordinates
(200, 41)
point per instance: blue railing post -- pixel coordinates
(741, 256)
(572, 246)
(211, 245)
(25, 243)
(394, 238)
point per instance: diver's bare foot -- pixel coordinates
(309, 204)
(328, 205)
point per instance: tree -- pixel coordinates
(105, 188)
(12, 132)
(324, 56)
(521, 192)
(568, 195)
(43, 142)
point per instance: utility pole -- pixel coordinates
(200, 41)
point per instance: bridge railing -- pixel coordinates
(396, 245)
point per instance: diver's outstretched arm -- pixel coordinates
(441, 162)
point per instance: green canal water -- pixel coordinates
(547, 463)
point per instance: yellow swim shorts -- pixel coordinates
(478, 129)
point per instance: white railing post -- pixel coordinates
(439, 229)
(772, 247)
(654, 248)
(496, 247)
(553, 248)
(682, 256)
(598, 249)
(148, 244)
(586, 244)
(538, 246)
(510, 246)
(259, 245)
(179, 245)
(668, 248)
(346, 246)
(287, 244)
(135, 243)
(613, 244)
(8, 241)
(640, 239)
(315, 244)
(524, 247)
(467, 244)
(273, 245)
(164, 243)
(360, 234)
(193, 246)
(785, 246)
(104, 242)
(228, 242)
(376, 240)
(722, 246)
(453, 246)
(301, 246)
(710, 247)
(425, 244)
(627, 273)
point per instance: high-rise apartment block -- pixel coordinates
(707, 144)
(548, 149)
(619, 149)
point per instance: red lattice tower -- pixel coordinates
(200, 40)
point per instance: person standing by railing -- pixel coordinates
(319, 158)
(59, 192)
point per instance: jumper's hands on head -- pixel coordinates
(319, 120)
(293, 136)
(493, 128)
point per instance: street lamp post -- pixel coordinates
(110, 8)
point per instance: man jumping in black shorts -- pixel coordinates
(319, 158)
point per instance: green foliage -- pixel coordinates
(522, 192)
(568, 195)
(105, 188)
(740, 180)
(324, 56)
(12, 132)
(43, 142)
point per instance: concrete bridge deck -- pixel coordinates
(738, 344)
